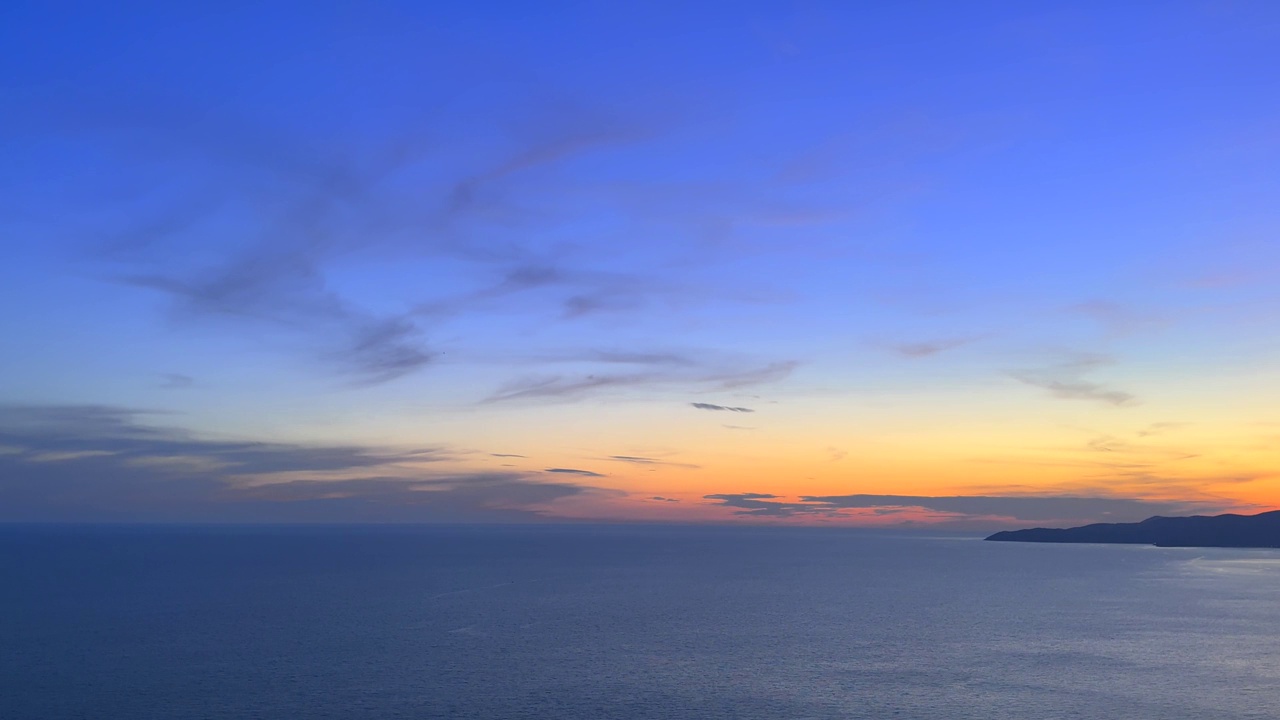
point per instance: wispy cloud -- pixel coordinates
(674, 361)
(1107, 443)
(1160, 428)
(773, 372)
(572, 292)
(258, 245)
(724, 408)
(297, 209)
(930, 347)
(559, 142)
(176, 381)
(464, 496)
(638, 460)
(1066, 380)
(287, 291)
(1116, 319)
(988, 509)
(92, 463)
(639, 358)
(78, 431)
(574, 471)
(660, 374)
(300, 211)
(558, 386)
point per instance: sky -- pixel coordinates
(955, 265)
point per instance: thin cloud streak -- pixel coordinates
(1065, 380)
(561, 387)
(96, 463)
(177, 381)
(770, 373)
(1018, 508)
(721, 408)
(638, 460)
(574, 471)
(929, 348)
(288, 292)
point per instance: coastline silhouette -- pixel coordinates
(1230, 530)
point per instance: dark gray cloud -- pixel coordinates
(574, 471)
(506, 455)
(969, 509)
(725, 408)
(765, 505)
(1065, 380)
(659, 498)
(92, 463)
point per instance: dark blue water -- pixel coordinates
(597, 623)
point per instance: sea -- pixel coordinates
(626, 623)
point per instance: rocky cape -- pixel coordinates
(1243, 531)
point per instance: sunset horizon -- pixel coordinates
(982, 267)
(606, 360)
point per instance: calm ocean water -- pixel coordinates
(597, 623)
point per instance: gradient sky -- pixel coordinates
(978, 264)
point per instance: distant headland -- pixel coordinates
(1242, 531)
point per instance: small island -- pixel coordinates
(1237, 531)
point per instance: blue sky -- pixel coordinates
(959, 247)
